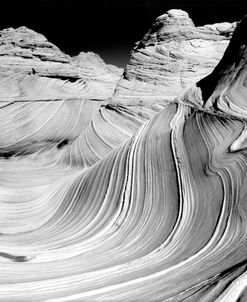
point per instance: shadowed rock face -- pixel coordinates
(171, 56)
(128, 209)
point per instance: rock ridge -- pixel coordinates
(171, 56)
(30, 64)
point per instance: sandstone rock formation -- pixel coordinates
(27, 56)
(98, 203)
(171, 56)
(47, 98)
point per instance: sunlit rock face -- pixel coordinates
(114, 206)
(170, 57)
(47, 98)
(26, 56)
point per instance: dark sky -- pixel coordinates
(107, 27)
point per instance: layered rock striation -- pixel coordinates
(27, 56)
(171, 56)
(47, 98)
(105, 204)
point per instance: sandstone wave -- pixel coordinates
(105, 202)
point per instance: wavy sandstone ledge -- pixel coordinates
(127, 209)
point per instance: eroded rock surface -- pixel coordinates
(25, 54)
(170, 57)
(101, 203)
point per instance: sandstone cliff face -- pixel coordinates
(27, 54)
(171, 56)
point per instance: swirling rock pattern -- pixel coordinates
(129, 208)
(47, 98)
(171, 56)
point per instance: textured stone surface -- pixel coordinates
(101, 203)
(25, 53)
(171, 56)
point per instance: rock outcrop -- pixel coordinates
(101, 203)
(27, 54)
(171, 56)
(47, 98)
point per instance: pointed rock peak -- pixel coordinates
(176, 25)
(88, 57)
(167, 26)
(175, 17)
(23, 39)
(21, 34)
(94, 61)
(225, 87)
